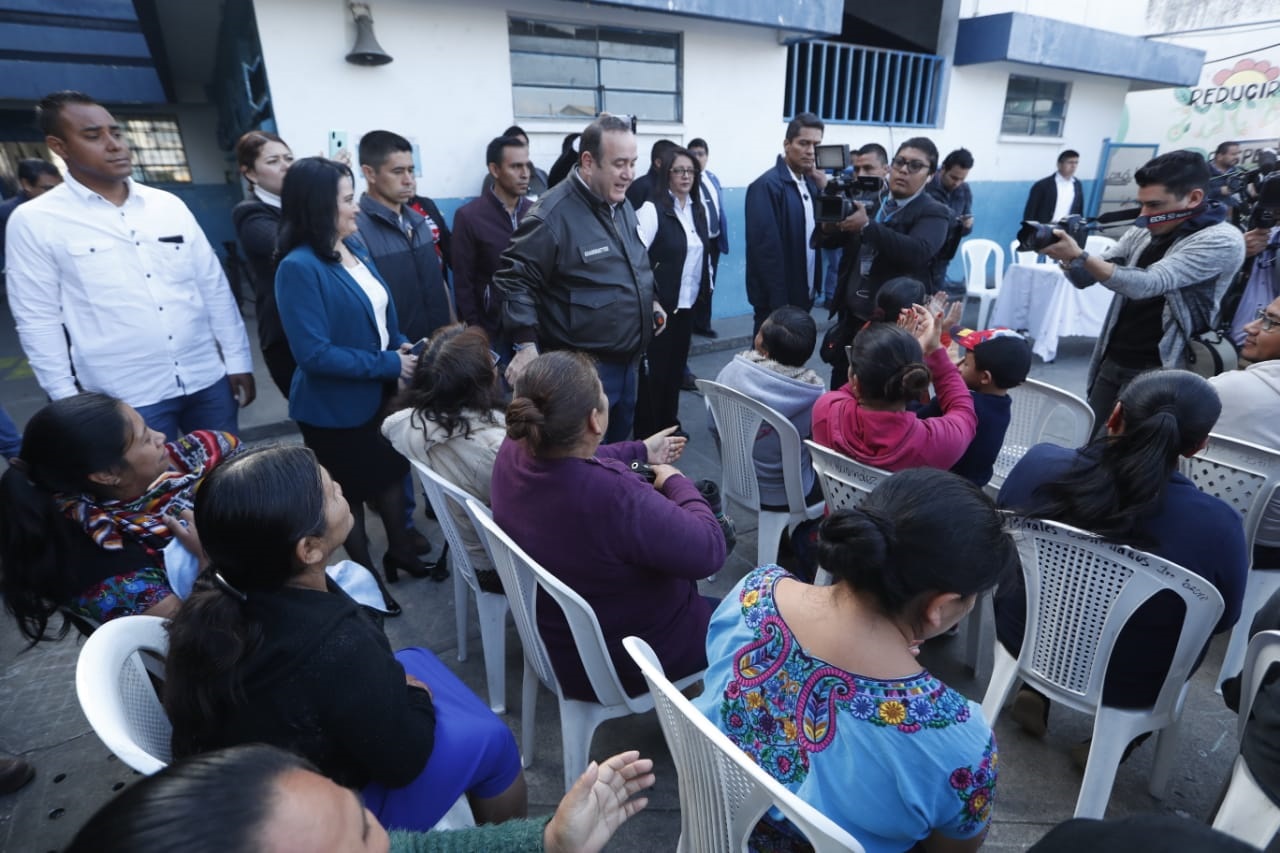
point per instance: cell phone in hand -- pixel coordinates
(417, 348)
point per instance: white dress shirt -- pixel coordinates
(1066, 195)
(809, 224)
(691, 273)
(377, 296)
(137, 288)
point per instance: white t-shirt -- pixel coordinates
(809, 223)
(377, 296)
(1066, 194)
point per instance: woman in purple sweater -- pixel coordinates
(634, 550)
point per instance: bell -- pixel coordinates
(366, 50)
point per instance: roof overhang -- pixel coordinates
(800, 19)
(1048, 43)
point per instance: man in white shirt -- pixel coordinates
(124, 272)
(1060, 195)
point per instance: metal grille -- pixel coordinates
(854, 84)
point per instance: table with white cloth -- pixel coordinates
(1038, 298)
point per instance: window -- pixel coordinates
(579, 70)
(856, 84)
(1035, 107)
(158, 154)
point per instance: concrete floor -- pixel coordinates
(40, 717)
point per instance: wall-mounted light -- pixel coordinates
(366, 50)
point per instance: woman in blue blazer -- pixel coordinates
(342, 329)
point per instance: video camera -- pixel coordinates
(837, 200)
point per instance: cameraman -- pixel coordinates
(900, 238)
(1169, 273)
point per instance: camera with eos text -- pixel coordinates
(1036, 236)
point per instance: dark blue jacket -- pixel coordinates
(334, 338)
(979, 460)
(723, 240)
(776, 244)
(410, 266)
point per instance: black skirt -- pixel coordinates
(360, 458)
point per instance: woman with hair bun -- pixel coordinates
(890, 365)
(820, 684)
(633, 546)
(1125, 487)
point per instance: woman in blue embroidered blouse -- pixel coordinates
(820, 684)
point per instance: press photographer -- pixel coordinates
(1169, 273)
(899, 238)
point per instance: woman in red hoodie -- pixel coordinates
(867, 419)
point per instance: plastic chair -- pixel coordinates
(1246, 812)
(1036, 407)
(116, 693)
(1246, 476)
(1081, 592)
(1023, 257)
(723, 792)
(521, 577)
(975, 253)
(491, 606)
(738, 419)
(845, 482)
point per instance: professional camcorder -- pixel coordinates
(837, 200)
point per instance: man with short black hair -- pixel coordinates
(1169, 273)
(35, 178)
(538, 181)
(1060, 195)
(717, 232)
(949, 187)
(642, 187)
(482, 229)
(576, 275)
(123, 272)
(783, 265)
(398, 236)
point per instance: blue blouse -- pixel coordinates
(889, 761)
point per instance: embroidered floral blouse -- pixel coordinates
(890, 761)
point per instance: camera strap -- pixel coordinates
(1168, 216)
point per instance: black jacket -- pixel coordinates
(257, 224)
(1043, 197)
(410, 267)
(667, 253)
(572, 279)
(777, 265)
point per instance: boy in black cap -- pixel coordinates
(995, 360)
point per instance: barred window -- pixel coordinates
(158, 154)
(1035, 107)
(579, 70)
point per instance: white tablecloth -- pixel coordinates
(1040, 299)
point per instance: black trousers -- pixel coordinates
(702, 308)
(658, 402)
(280, 364)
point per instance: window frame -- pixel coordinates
(1034, 116)
(146, 169)
(600, 91)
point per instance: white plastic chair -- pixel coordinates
(1023, 257)
(723, 792)
(738, 419)
(975, 253)
(116, 694)
(1246, 812)
(521, 577)
(845, 482)
(1246, 476)
(1040, 413)
(491, 606)
(1080, 594)
(1099, 244)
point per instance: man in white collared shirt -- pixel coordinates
(1061, 194)
(124, 272)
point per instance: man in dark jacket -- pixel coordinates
(399, 238)
(783, 267)
(576, 275)
(906, 232)
(1061, 194)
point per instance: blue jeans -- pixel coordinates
(621, 381)
(831, 271)
(212, 408)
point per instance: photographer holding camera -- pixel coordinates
(1169, 273)
(899, 238)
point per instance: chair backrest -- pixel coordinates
(117, 695)
(440, 494)
(1017, 257)
(1081, 592)
(738, 419)
(522, 575)
(1264, 651)
(845, 482)
(975, 252)
(1040, 413)
(723, 792)
(1244, 475)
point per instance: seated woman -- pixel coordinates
(634, 550)
(268, 649)
(821, 686)
(449, 420)
(90, 513)
(1125, 487)
(261, 799)
(867, 420)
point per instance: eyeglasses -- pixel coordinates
(912, 166)
(682, 171)
(1268, 322)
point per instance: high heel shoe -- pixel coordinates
(392, 565)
